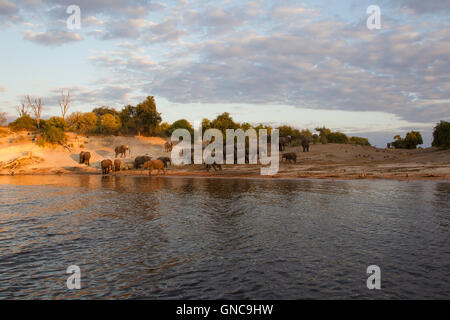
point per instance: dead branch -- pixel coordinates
(64, 104)
(36, 107)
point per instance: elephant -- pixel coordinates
(107, 166)
(139, 161)
(283, 142)
(85, 157)
(166, 160)
(305, 145)
(168, 146)
(154, 164)
(118, 165)
(291, 157)
(122, 150)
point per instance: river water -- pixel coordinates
(197, 238)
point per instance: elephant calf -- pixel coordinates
(117, 165)
(291, 157)
(85, 157)
(154, 164)
(107, 166)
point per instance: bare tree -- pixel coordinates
(36, 107)
(22, 110)
(64, 104)
(3, 118)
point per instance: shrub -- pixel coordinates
(57, 122)
(52, 134)
(337, 137)
(359, 141)
(24, 122)
(412, 139)
(441, 135)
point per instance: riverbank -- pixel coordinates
(330, 161)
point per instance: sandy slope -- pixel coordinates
(324, 161)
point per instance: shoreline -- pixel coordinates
(206, 175)
(323, 162)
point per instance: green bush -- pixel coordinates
(52, 134)
(23, 123)
(359, 141)
(337, 137)
(441, 135)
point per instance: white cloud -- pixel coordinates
(52, 37)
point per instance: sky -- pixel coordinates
(300, 63)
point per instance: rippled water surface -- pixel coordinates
(169, 238)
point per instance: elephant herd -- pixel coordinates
(160, 164)
(108, 166)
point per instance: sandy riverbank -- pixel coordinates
(331, 161)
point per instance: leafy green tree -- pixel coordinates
(24, 122)
(441, 135)
(412, 139)
(128, 118)
(224, 122)
(109, 124)
(82, 122)
(206, 124)
(180, 124)
(245, 126)
(99, 112)
(147, 118)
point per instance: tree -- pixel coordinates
(105, 110)
(147, 118)
(441, 135)
(36, 107)
(128, 117)
(3, 118)
(224, 122)
(323, 133)
(82, 122)
(412, 139)
(206, 124)
(64, 104)
(109, 124)
(180, 124)
(22, 110)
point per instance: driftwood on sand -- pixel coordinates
(20, 162)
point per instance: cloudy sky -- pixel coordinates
(303, 63)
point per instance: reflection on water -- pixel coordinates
(140, 237)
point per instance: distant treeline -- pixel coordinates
(144, 119)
